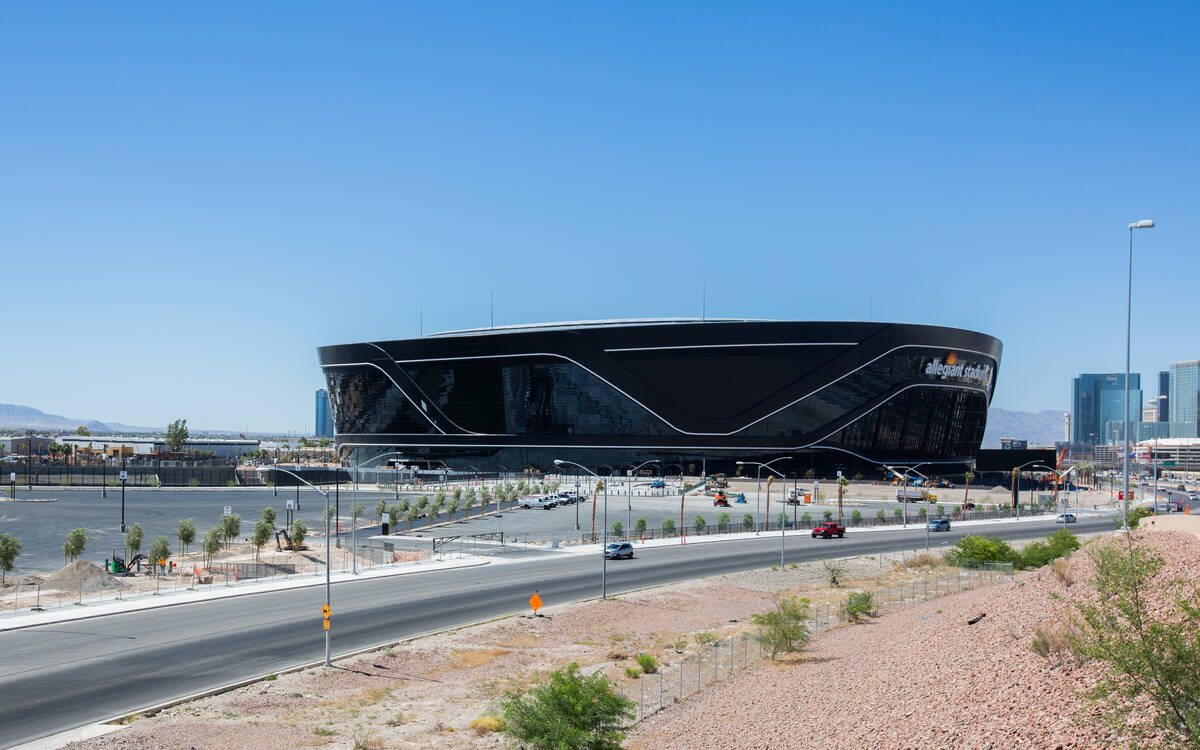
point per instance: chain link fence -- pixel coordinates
(720, 658)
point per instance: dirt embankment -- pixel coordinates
(923, 677)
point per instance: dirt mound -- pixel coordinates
(69, 576)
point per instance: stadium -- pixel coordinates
(699, 395)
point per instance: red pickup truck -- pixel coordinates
(829, 529)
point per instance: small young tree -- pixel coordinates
(784, 629)
(231, 526)
(568, 710)
(699, 524)
(898, 514)
(668, 527)
(880, 516)
(160, 551)
(747, 522)
(485, 498)
(133, 541)
(617, 529)
(261, 535)
(268, 515)
(472, 498)
(805, 519)
(458, 494)
(357, 512)
(441, 496)
(810, 474)
(299, 532)
(186, 533)
(453, 507)
(640, 525)
(857, 605)
(922, 513)
(211, 544)
(411, 516)
(723, 522)
(381, 510)
(77, 540)
(828, 515)
(10, 548)
(856, 518)
(423, 503)
(469, 502)
(393, 514)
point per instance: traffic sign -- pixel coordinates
(124, 475)
(535, 601)
(162, 561)
(12, 476)
(325, 624)
(325, 611)
(228, 511)
(291, 504)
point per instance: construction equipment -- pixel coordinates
(118, 566)
(720, 500)
(716, 482)
(287, 538)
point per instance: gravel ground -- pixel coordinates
(975, 686)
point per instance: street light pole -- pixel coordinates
(328, 560)
(758, 492)
(1143, 224)
(629, 495)
(604, 544)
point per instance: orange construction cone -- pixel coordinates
(1187, 509)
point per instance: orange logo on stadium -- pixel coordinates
(951, 358)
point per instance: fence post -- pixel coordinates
(660, 681)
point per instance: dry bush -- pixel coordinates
(486, 725)
(476, 657)
(1051, 638)
(1063, 570)
(925, 560)
(616, 655)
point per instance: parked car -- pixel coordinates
(1065, 518)
(530, 501)
(619, 549)
(658, 484)
(938, 524)
(828, 530)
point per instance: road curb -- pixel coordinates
(5, 628)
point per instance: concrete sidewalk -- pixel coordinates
(217, 591)
(591, 549)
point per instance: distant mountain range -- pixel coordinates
(17, 417)
(1041, 428)
(1044, 427)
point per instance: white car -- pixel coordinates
(532, 501)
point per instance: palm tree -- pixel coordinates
(967, 489)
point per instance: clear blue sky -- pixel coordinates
(196, 196)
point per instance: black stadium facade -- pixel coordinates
(679, 392)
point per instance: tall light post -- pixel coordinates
(758, 490)
(629, 494)
(904, 487)
(604, 531)
(328, 559)
(1016, 491)
(1143, 224)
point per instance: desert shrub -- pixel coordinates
(784, 629)
(1149, 652)
(748, 522)
(640, 525)
(668, 526)
(856, 518)
(633, 673)
(1050, 639)
(705, 638)
(857, 605)
(617, 529)
(648, 663)
(699, 523)
(898, 514)
(568, 710)
(835, 573)
(1135, 516)
(1062, 569)
(1059, 544)
(973, 550)
(881, 515)
(806, 519)
(486, 724)
(723, 521)
(922, 513)
(828, 515)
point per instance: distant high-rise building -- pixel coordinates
(1184, 385)
(324, 421)
(1164, 400)
(1097, 406)
(1150, 411)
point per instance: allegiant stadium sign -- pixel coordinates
(951, 368)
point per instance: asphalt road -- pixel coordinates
(55, 677)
